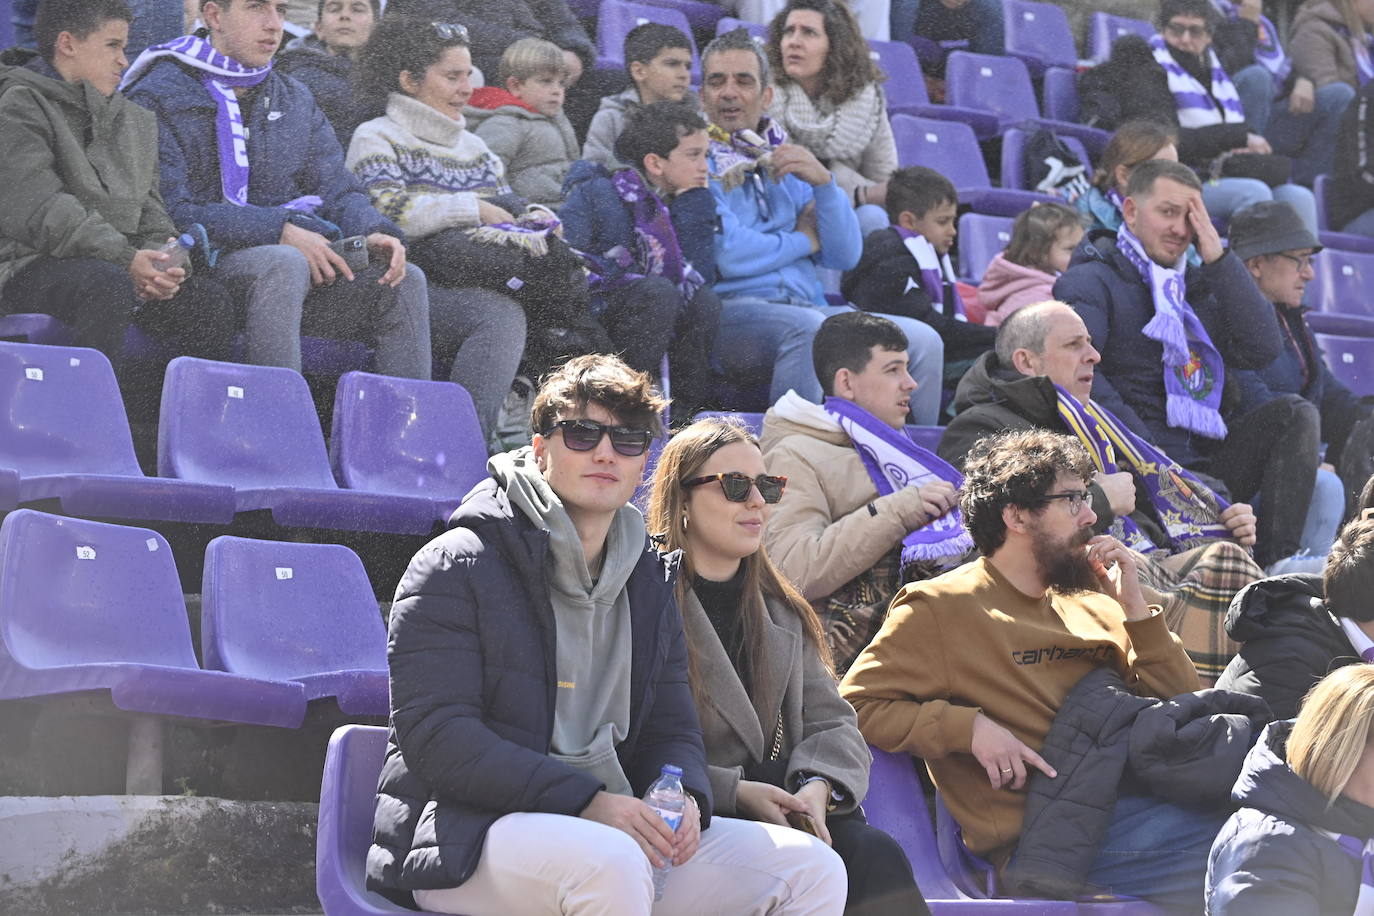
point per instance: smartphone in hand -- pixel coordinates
(353, 250)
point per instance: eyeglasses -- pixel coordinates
(1192, 31)
(1304, 262)
(736, 485)
(583, 436)
(1077, 499)
(450, 31)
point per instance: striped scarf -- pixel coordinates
(1361, 851)
(738, 156)
(657, 251)
(936, 271)
(1198, 105)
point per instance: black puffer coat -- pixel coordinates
(1106, 740)
(1289, 641)
(473, 678)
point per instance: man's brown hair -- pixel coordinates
(1015, 469)
(1348, 578)
(599, 379)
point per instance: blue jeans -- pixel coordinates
(1310, 139)
(1157, 850)
(1255, 86)
(756, 333)
(1324, 514)
(1228, 196)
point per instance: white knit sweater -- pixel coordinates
(424, 170)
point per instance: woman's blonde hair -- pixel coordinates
(1333, 728)
(1133, 143)
(681, 460)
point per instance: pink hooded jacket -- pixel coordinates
(1007, 287)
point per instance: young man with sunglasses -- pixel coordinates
(971, 669)
(539, 684)
(835, 537)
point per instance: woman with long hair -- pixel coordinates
(1303, 842)
(826, 95)
(781, 744)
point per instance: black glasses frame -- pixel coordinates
(583, 435)
(736, 486)
(1077, 500)
(1307, 260)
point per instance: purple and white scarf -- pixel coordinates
(1359, 640)
(744, 153)
(893, 461)
(657, 250)
(1186, 507)
(1364, 57)
(1196, 107)
(221, 75)
(1193, 369)
(1361, 851)
(1268, 52)
(936, 271)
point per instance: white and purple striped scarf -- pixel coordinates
(936, 271)
(1363, 48)
(221, 75)
(1197, 106)
(1268, 52)
(1193, 369)
(1361, 851)
(893, 461)
(1359, 640)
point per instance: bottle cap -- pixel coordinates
(186, 240)
(670, 770)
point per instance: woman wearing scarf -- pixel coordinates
(1303, 842)
(781, 745)
(827, 99)
(436, 180)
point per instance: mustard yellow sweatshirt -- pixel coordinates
(969, 641)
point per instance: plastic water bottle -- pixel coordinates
(667, 797)
(178, 251)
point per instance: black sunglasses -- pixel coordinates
(736, 485)
(583, 435)
(450, 31)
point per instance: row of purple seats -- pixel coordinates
(1106, 29)
(952, 150)
(616, 19)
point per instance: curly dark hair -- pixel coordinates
(1015, 469)
(848, 68)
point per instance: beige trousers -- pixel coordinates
(537, 864)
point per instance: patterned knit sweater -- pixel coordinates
(423, 169)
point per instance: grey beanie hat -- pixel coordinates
(1268, 227)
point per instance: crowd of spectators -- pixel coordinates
(1143, 467)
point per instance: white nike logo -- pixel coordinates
(910, 285)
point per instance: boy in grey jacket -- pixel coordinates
(658, 59)
(524, 123)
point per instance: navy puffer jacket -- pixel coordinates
(1270, 858)
(473, 678)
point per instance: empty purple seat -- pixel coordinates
(927, 437)
(702, 17)
(65, 432)
(896, 805)
(1039, 35)
(1060, 94)
(1002, 85)
(1343, 283)
(752, 421)
(254, 428)
(1015, 166)
(348, 799)
(951, 149)
(981, 238)
(757, 30)
(1351, 360)
(407, 437)
(35, 328)
(9, 489)
(90, 606)
(905, 88)
(1106, 29)
(295, 612)
(1328, 234)
(615, 20)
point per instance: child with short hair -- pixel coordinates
(905, 268)
(1042, 241)
(522, 120)
(648, 233)
(658, 59)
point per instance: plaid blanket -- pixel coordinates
(1195, 588)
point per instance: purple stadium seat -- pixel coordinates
(6, 25)
(86, 606)
(1326, 233)
(348, 798)
(1343, 283)
(1351, 360)
(752, 421)
(951, 149)
(1039, 35)
(896, 805)
(981, 237)
(254, 428)
(295, 612)
(757, 30)
(1106, 29)
(1002, 85)
(1014, 157)
(65, 432)
(927, 437)
(407, 437)
(35, 328)
(615, 20)
(702, 17)
(905, 88)
(1060, 94)
(9, 489)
